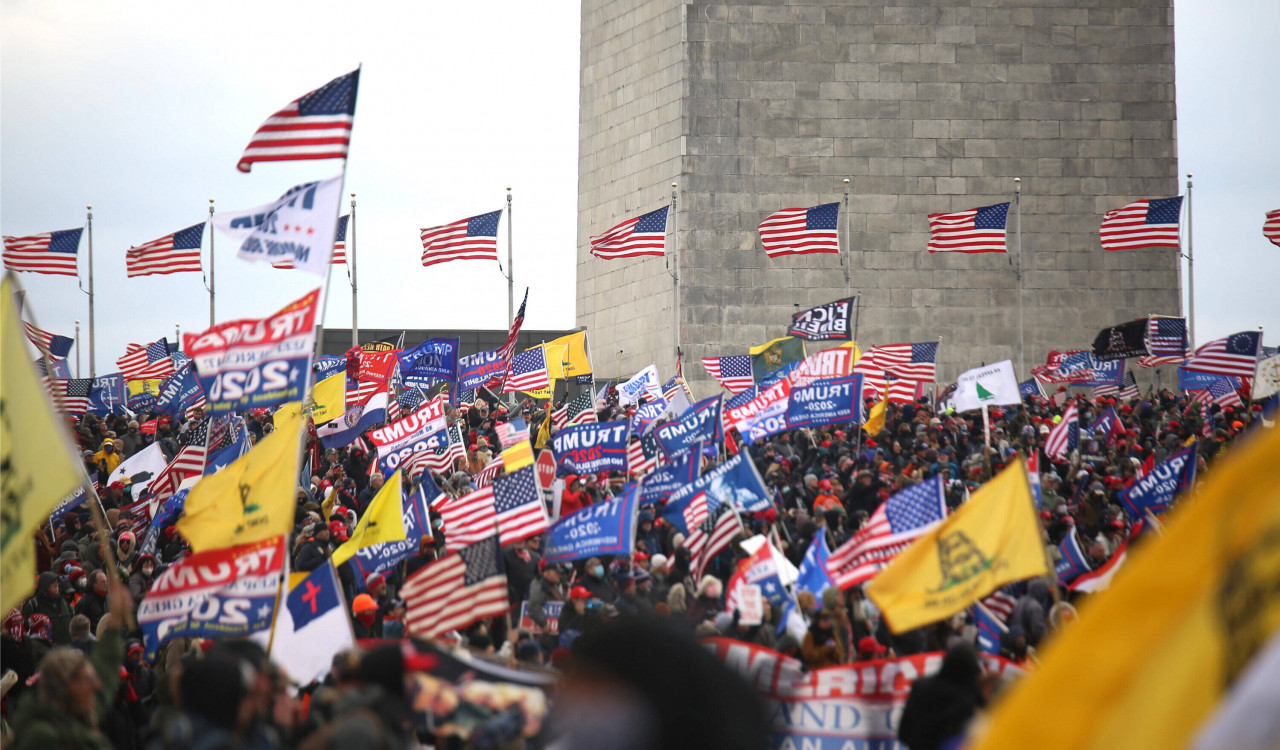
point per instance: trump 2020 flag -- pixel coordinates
(1156, 490)
(299, 227)
(828, 401)
(591, 448)
(606, 528)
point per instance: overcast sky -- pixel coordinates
(143, 108)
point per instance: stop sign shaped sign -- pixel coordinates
(546, 468)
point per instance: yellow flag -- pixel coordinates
(543, 394)
(989, 541)
(567, 356)
(253, 498)
(857, 353)
(517, 456)
(138, 387)
(544, 432)
(1151, 656)
(383, 521)
(35, 455)
(875, 418)
(330, 397)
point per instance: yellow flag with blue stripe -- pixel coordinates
(329, 398)
(991, 540)
(383, 521)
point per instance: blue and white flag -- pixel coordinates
(383, 557)
(297, 228)
(645, 381)
(828, 401)
(1108, 423)
(666, 479)
(700, 424)
(474, 370)
(591, 448)
(345, 429)
(1157, 489)
(311, 627)
(647, 413)
(224, 457)
(326, 366)
(735, 481)
(109, 395)
(606, 528)
(180, 393)
(814, 576)
(1073, 564)
(989, 628)
(74, 499)
(1030, 388)
(166, 515)
(431, 360)
(1190, 380)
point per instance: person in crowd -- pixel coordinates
(48, 603)
(940, 707)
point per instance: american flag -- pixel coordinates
(528, 371)
(582, 410)
(560, 418)
(52, 252)
(978, 230)
(874, 379)
(1150, 222)
(1224, 394)
(443, 459)
(50, 344)
(709, 531)
(1166, 342)
(71, 396)
(339, 256)
(172, 253)
(472, 238)
(1236, 355)
(410, 399)
(510, 434)
(1271, 227)
(1128, 392)
(518, 502)
(734, 373)
(1001, 603)
(490, 470)
(467, 519)
(146, 362)
(140, 511)
(907, 361)
(643, 455)
(509, 348)
(1060, 397)
(900, 520)
(456, 590)
(315, 126)
(1065, 435)
(801, 231)
(643, 235)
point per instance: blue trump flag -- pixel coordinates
(591, 448)
(108, 395)
(827, 401)
(1189, 380)
(989, 628)
(180, 393)
(432, 359)
(1030, 388)
(1107, 422)
(662, 481)
(814, 577)
(606, 528)
(646, 413)
(1156, 490)
(474, 370)
(735, 481)
(1072, 565)
(326, 366)
(700, 424)
(383, 557)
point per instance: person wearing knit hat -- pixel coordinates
(364, 611)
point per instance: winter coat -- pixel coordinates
(40, 726)
(941, 706)
(56, 609)
(94, 607)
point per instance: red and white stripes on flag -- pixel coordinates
(978, 230)
(899, 521)
(644, 235)
(801, 231)
(472, 238)
(528, 371)
(518, 502)
(490, 470)
(146, 362)
(188, 462)
(705, 543)
(456, 590)
(316, 125)
(733, 373)
(906, 361)
(49, 252)
(1271, 227)
(560, 418)
(49, 344)
(467, 519)
(1059, 442)
(1235, 355)
(70, 396)
(1001, 604)
(1150, 222)
(173, 253)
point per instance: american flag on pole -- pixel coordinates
(1166, 342)
(443, 459)
(71, 396)
(1271, 227)
(1235, 355)
(643, 455)
(906, 361)
(173, 253)
(315, 126)
(734, 373)
(472, 238)
(49, 344)
(509, 348)
(52, 252)
(1150, 222)
(467, 519)
(490, 470)
(146, 362)
(1127, 392)
(189, 461)
(518, 503)
(643, 235)
(1065, 435)
(560, 418)
(709, 531)
(801, 231)
(456, 590)
(978, 230)
(528, 371)
(1224, 394)
(582, 410)
(339, 256)
(900, 520)
(1001, 603)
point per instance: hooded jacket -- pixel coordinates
(56, 609)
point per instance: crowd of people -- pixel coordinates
(77, 672)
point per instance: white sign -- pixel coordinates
(298, 229)
(750, 605)
(992, 385)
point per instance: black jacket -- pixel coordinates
(941, 706)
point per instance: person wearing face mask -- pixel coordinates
(106, 460)
(132, 441)
(143, 574)
(595, 582)
(94, 602)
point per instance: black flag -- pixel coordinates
(1124, 340)
(829, 322)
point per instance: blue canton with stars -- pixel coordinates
(991, 217)
(515, 489)
(481, 561)
(916, 506)
(652, 222)
(742, 398)
(822, 217)
(1244, 343)
(157, 350)
(924, 352)
(65, 241)
(189, 238)
(1164, 210)
(484, 225)
(337, 97)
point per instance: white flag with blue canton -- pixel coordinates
(299, 227)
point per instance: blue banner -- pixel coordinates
(591, 448)
(474, 370)
(666, 479)
(224, 457)
(1108, 422)
(829, 401)
(813, 576)
(1190, 380)
(432, 359)
(699, 424)
(1072, 565)
(143, 400)
(108, 395)
(383, 557)
(326, 366)
(1109, 372)
(606, 528)
(647, 413)
(180, 393)
(1156, 490)
(73, 500)
(1030, 388)
(734, 481)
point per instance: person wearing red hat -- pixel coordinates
(826, 499)
(364, 611)
(573, 499)
(577, 618)
(869, 648)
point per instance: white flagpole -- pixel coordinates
(1191, 277)
(847, 256)
(92, 368)
(675, 272)
(511, 274)
(351, 265)
(212, 232)
(77, 348)
(1017, 200)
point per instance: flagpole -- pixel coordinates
(77, 348)
(675, 265)
(212, 232)
(511, 275)
(351, 265)
(1191, 276)
(92, 369)
(847, 256)
(1017, 200)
